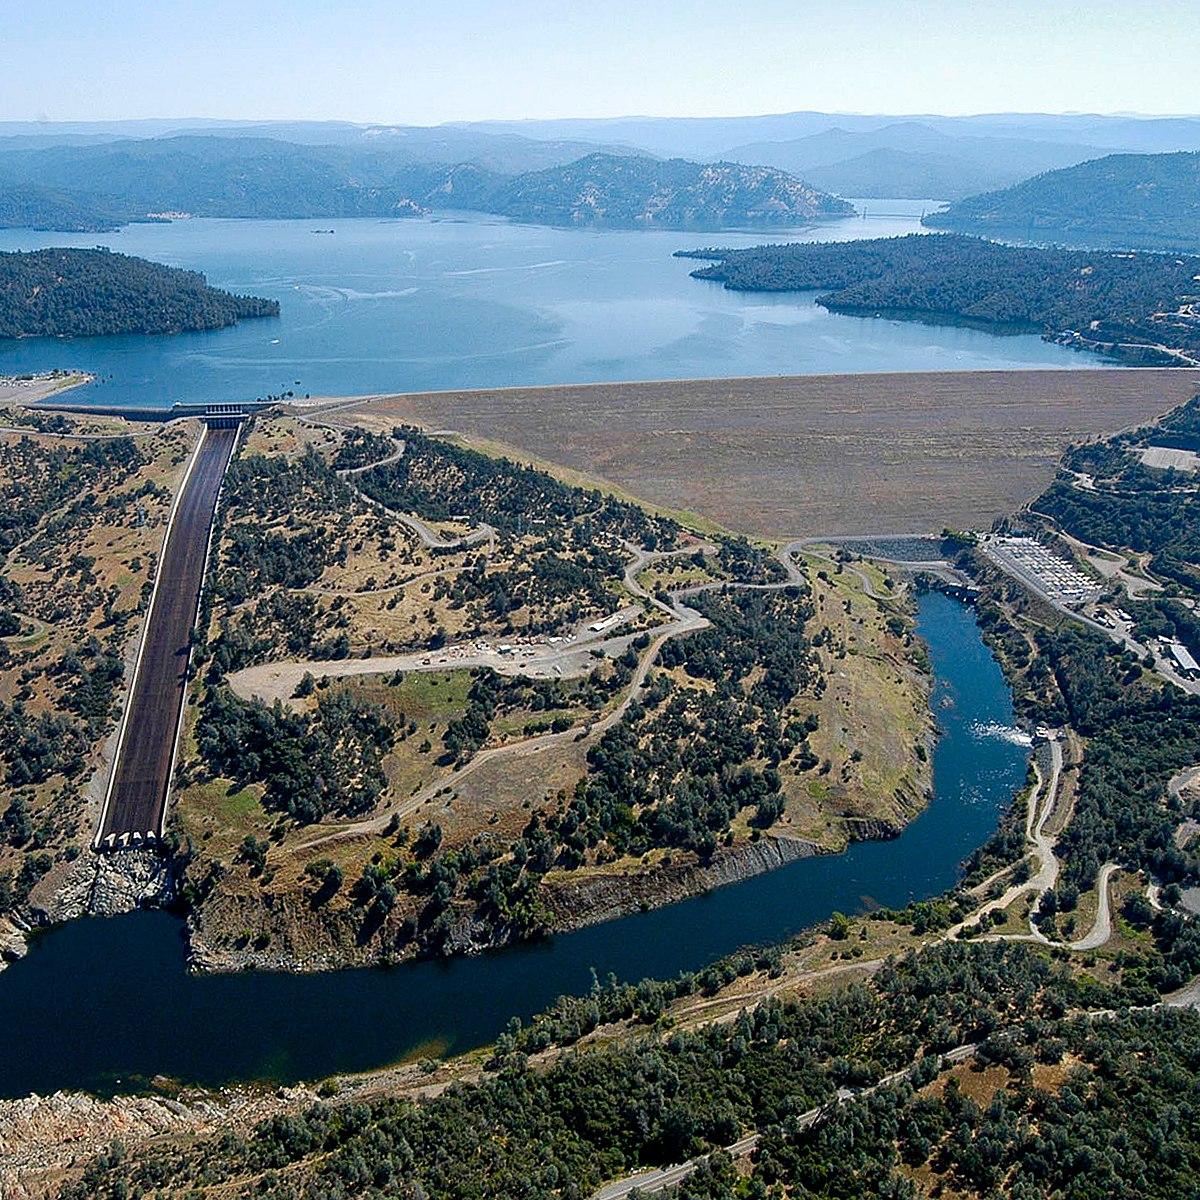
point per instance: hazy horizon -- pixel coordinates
(375, 62)
(285, 118)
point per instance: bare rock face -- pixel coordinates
(12, 942)
(106, 885)
(576, 903)
(44, 1139)
(102, 885)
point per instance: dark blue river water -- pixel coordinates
(476, 301)
(106, 1004)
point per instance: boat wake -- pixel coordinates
(349, 295)
(996, 732)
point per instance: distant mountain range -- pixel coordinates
(914, 157)
(713, 137)
(100, 185)
(506, 153)
(1146, 201)
(911, 160)
(634, 171)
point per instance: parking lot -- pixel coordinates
(1041, 569)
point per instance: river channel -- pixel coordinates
(107, 1004)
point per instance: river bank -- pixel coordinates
(154, 1018)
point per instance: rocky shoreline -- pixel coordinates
(323, 942)
(602, 897)
(93, 885)
(306, 942)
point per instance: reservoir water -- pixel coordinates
(105, 1004)
(477, 301)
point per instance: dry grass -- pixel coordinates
(874, 706)
(64, 607)
(978, 1084)
(810, 455)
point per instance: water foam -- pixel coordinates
(995, 731)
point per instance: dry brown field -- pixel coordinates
(807, 455)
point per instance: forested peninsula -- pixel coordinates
(83, 293)
(1142, 308)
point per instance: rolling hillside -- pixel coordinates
(99, 185)
(605, 190)
(1147, 201)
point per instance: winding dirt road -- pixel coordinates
(1037, 813)
(684, 620)
(428, 536)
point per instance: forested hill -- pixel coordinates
(1151, 201)
(1139, 307)
(96, 186)
(610, 190)
(73, 293)
(32, 206)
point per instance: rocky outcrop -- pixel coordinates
(106, 885)
(579, 900)
(237, 931)
(102, 885)
(12, 940)
(43, 1137)
(863, 829)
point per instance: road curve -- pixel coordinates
(141, 776)
(426, 534)
(686, 620)
(1101, 929)
(1039, 806)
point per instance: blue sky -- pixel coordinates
(413, 62)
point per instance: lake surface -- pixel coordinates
(106, 1004)
(477, 301)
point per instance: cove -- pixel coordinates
(106, 1004)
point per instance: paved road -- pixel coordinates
(137, 793)
(664, 1177)
(1101, 929)
(658, 1180)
